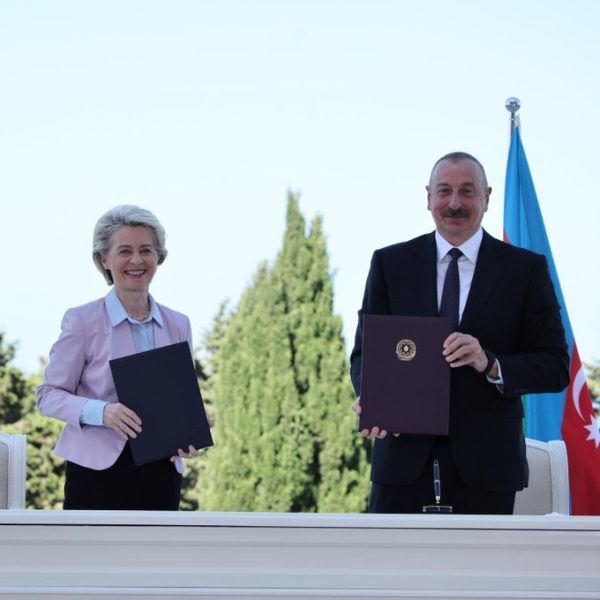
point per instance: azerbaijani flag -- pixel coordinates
(568, 415)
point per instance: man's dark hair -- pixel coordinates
(457, 157)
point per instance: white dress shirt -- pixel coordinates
(466, 270)
(466, 266)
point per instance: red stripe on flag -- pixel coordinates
(582, 436)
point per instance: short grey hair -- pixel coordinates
(125, 215)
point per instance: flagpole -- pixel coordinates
(512, 106)
(568, 415)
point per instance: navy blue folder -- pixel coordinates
(161, 386)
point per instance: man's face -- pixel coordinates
(457, 198)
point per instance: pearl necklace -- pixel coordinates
(140, 320)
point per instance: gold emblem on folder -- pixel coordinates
(406, 350)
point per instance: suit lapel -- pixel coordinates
(121, 340)
(425, 277)
(487, 272)
(161, 337)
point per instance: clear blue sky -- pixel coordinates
(207, 112)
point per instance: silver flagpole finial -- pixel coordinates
(512, 106)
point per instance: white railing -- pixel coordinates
(55, 554)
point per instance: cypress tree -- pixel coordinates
(207, 370)
(285, 436)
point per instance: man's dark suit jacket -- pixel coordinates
(513, 311)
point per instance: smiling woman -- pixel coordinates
(131, 263)
(129, 244)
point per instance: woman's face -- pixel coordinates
(132, 259)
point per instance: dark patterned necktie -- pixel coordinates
(451, 291)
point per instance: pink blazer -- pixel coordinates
(78, 370)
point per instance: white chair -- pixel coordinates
(548, 490)
(13, 468)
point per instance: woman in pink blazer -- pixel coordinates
(129, 244)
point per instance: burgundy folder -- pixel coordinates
(405, 380)
(161, 386)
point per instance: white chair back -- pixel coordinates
(548, 490)
(13, 469)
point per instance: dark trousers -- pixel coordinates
(123, 486)
(464, 500)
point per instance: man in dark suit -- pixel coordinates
(509, 341)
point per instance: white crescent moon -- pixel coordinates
(578, 384)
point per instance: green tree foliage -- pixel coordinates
(593, 381)
(207, 371)
(285, 436)
(16, 389)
